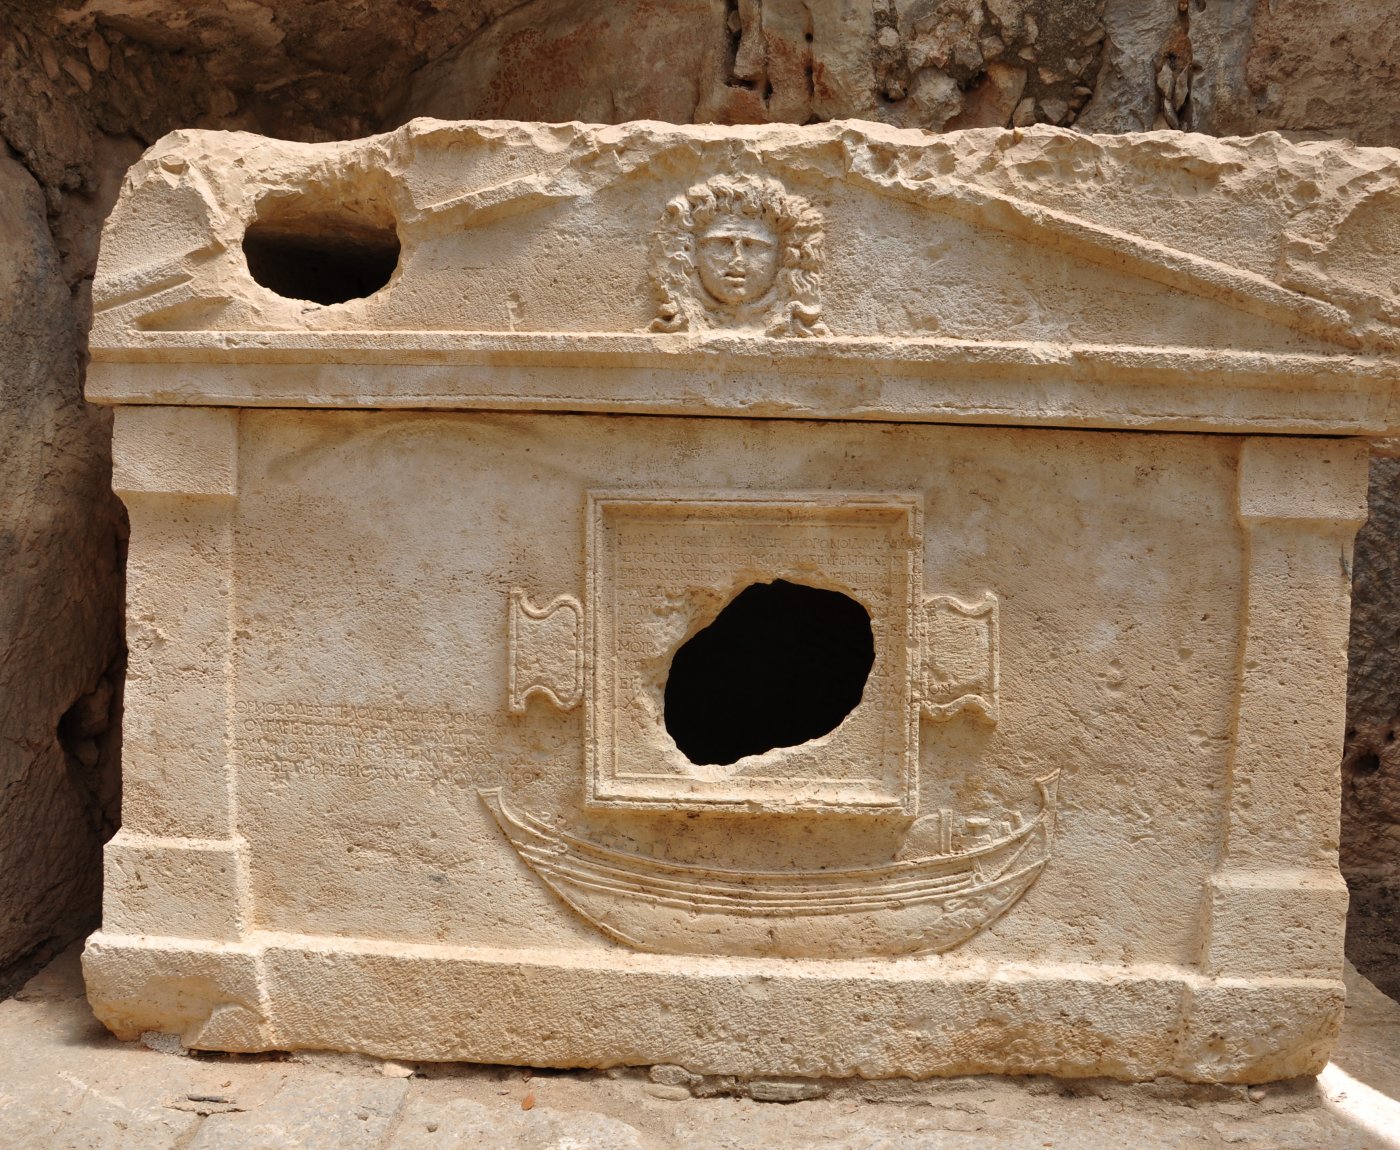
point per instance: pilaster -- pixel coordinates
(1277, 902)
(177, 866)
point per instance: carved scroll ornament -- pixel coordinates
(961, 665)
(545, 651)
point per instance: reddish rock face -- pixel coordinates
(959, 63)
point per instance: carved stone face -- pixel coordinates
(738, 259)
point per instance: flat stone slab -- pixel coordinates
(319, 1113)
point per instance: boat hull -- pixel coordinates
(916, 906)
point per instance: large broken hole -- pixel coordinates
(780, 665)
(321, 253)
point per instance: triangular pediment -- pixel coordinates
(1034, 237)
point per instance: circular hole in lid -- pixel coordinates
(309, 247)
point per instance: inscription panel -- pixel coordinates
(348, 741)
(662, 569)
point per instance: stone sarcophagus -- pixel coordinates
(825, 601)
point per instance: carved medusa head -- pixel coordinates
(739, 251)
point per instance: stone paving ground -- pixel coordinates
(66, 1084)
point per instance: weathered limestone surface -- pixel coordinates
(84, 86)
(443, 448)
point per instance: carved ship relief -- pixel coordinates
(913, 906)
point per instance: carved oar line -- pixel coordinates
(570, 866)
(713, 903)
(631, 860)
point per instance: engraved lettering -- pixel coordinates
(296, 739)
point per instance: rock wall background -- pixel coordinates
(85, 85)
